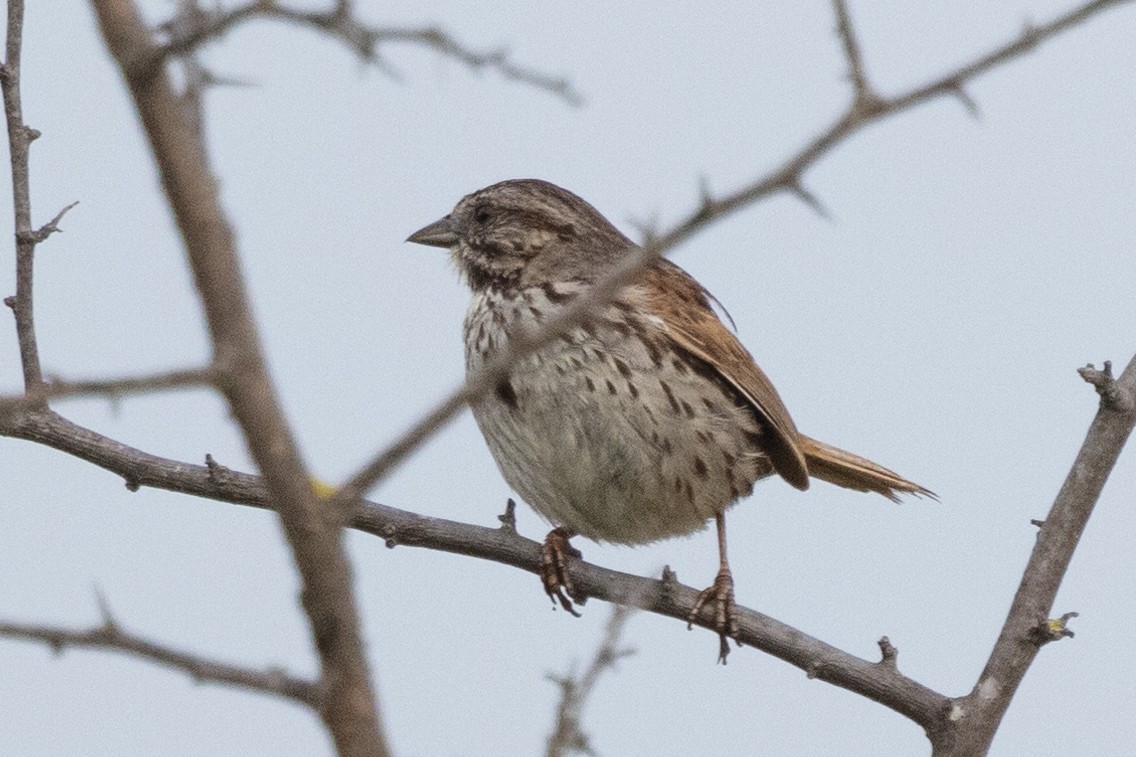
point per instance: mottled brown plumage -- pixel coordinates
(645, 421)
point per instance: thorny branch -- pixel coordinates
(1028, 626)
(112, 389)
(187, 32)
(111, 636)
(503, 545)
(20, 137)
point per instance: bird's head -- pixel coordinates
(522, 230)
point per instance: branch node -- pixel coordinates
(509, 517)
(1105, 385)
(132, 484)
(1031, 35)
(1036, 522)
(888, 653)
(10, 301)
(30, 134)
(218, 474)
(1052, 629)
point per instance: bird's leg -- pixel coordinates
(722, 594)
(554, 569)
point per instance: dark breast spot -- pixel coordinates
(505, 393)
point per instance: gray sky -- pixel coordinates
(934, 324)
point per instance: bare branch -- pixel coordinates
(963, 722)
(112, 389)
(502, 545)
(20, 137)
(786, 178)
(115, 389)
(1028, 625)
(568, 735)
(349, 712)
(863, 111)
(111, 636)
(188, 32)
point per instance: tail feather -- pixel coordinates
(842, 468)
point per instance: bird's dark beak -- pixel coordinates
(443, 233)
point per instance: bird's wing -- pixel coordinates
(691, 324)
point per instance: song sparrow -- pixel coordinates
(645, 421)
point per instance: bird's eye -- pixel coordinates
(481, 214)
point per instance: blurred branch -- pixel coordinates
(110, 636)
(115, 389)
(865, 109)
(112, 389)
(1028, 626)
(568, 735)
(349, 709)
(188, 31)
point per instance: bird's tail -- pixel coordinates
(836, 466)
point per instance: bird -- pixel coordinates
(644, 421)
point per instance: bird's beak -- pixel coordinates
(443, 233)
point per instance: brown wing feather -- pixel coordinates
(694, 327)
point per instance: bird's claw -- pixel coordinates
(721, 593)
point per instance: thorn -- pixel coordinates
(809, 199)
(967, 101)
(509, 517)
(888, 653)
(109, 623)
(704, 197)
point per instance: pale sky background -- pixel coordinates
(934, 324)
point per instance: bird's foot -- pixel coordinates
(558, 584)
(721, 594)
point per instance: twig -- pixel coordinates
(20, 137)
(568, 735)
(189, 32)
(1027, 626)
(112, 389)
(110, 636)
(350, 712)
(116, 388)
(785, 178)
(864, 96)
